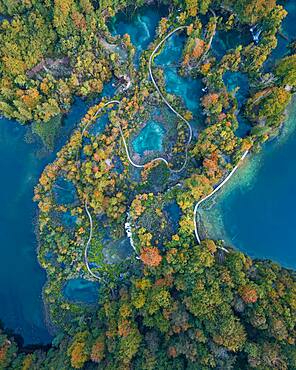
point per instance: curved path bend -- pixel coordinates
(88, 243)
(214, 192)
(128, 227)
(151, 58)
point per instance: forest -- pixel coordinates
(172, 303)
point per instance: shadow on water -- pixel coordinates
(288, 31)
(226, 40)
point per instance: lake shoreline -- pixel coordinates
(213, 224)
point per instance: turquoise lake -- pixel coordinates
(188, 89)
(21, 277)
(141, 26)
(255, 212)
(149, 138)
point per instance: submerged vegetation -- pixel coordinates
(161, 299)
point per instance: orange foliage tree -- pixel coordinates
(150, 256)
(248, 294)
(97, 351)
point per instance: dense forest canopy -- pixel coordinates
(50, 51)
(196, 310)
(178, 305)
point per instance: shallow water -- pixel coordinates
(234, 80)
(81, 291)
(99, 126)
(64, 192)
(170, 58)
(118, 251)
(174, 214)
(256, 210)
(149, 138)
(141, 26)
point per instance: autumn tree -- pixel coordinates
(150, 256)
(286, 70)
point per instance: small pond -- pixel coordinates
(64, 192)
(174, 214)
(150, 138)
(81, 291)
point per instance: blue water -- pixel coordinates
(190, 90)
(149, 138)
(21, 278)
(225, 40)
(99, 126)
(174, 214)
(257, 214)
(118, 165)
(288, 29)
(234, 80)
(81, 291)
(141, 26)
(256, 210)
(67, 220)
(64, 192)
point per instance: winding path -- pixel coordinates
(99, 111)
(151, 58)
(212, 193)
(88, 243)
(127, 225)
